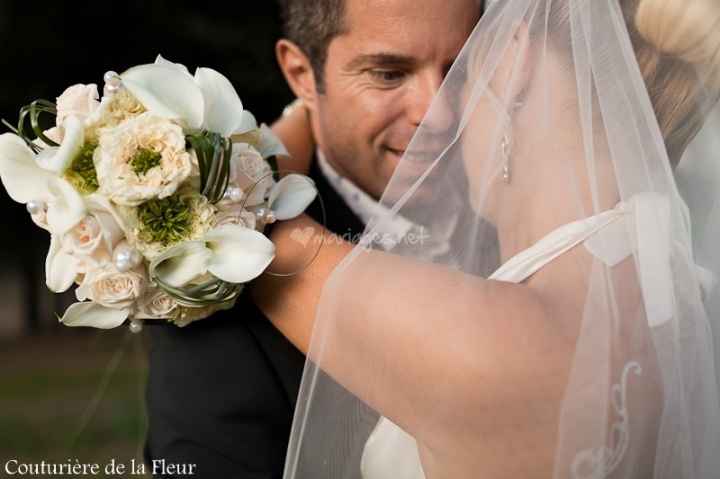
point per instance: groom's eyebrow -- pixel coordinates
(382, 60)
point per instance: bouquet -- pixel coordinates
(155, 196)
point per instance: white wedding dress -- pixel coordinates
(611, 236)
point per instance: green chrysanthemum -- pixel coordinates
(166, 221)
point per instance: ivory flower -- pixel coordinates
(111, 288)
(113, 111)
(28, 177)
(84, 248)
(251, 173)
(157, 304)
(191, 214)
(78, 100)
(142, 159)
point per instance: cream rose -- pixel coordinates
(85, 243)
(108, 287)
(85, 247)
(157, 304)
(251, 173)
(142, 159)
(79, 100)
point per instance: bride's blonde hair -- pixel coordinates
(675, 35)
(677, 45)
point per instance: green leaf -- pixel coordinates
(213, 153)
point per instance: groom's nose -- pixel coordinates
(424, 97)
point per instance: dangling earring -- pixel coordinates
(505, 151)
(506, 144)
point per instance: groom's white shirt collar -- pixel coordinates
(389, 228)
(365, 206)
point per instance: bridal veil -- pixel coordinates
(596, 361)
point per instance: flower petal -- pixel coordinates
(60, 267)
(270, 144)
(93, 315)
(159, 60)
(112, 224)
(69, 148)
(182, 263)
(291, 196)
(66, 207)
(239, 254)
(20, 175)
(223, 108)
(166, 91)
(247, 123)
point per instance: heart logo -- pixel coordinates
(302, 235)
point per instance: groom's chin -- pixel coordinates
(408, 174)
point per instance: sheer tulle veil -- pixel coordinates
(559, 117)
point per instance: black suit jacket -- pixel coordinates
(221, 392)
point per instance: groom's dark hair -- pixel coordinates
(311, 25)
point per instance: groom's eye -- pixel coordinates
(387, 77)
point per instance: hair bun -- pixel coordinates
(687, 29)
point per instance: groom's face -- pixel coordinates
(381, 75)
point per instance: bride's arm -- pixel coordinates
(435, 336)
(295, 132)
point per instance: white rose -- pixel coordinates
(79, 100)
(86, 247)
(92, 240)
(157, 304)
(116, 160)
(110, 288)
(85, 243)
(251, 173)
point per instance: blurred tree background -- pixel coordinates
(55, 379)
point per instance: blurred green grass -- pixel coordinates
(49, 385)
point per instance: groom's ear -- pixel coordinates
(298, 71)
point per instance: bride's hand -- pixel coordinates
(294, 130)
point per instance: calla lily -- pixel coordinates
(66, 207)
(223, 108)
(270, 144)
(26, 181)
(232, 253)
(22, 178)
(59, 159)
(183, 263)
(239, 254)
(168, 92)
(247, 123)
(61, 267)
(205, 101)
(94, 315)
(159, 60)
(291, 196)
